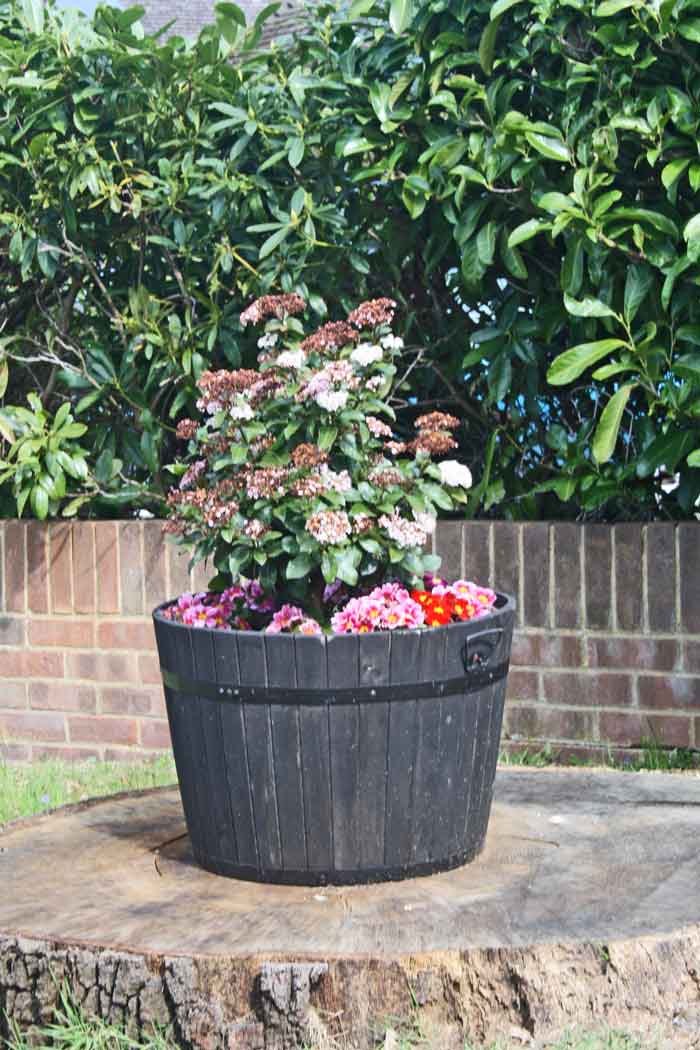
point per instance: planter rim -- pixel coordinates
(505, 603)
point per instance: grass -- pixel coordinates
(651, 757)
(71, 1029)
(25, 790)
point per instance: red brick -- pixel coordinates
(202, 572)
(13, 695)
(126, 634)
(107, 566)
(33, 725)
(507, 560)
(598, 553)
(522, 685)
(593, 689)
(149, 668)
(75, 634)
(477, 552)
(661, 576)
(61, 565)
(100, 729)
(155, 734)
(647, 654)
(37, 566)
(130, 754)
(669, 691)
(549, 723)
(567, 538)
(131, 568)
(12, 630)
(146, 700)
(154, 564)
(15, 592)
(14, 752)
(691, 656)
(631, 729)
(84, 575)
(689, 554)
(64, 754)
(628, 576)
(178, 573)
(449, 545)
(30, 663)
(546, 650)
(62, 696)
(535, 570)
(102, 667)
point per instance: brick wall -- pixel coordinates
(607, 649)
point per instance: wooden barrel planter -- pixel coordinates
(341, 758)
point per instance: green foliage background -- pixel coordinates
(522, 176)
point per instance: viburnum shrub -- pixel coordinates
(297, 491)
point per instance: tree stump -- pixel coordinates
(583, 909)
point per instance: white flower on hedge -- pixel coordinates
(426, 521)
(291, 359)
(242, 410)
(366, 354)
(392, 342)
(332, 400)
(266, 342)
(455, 474)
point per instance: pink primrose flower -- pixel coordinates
(285, 618)
(310, 627)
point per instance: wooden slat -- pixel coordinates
(406, 666)
(375, 669)
(166, 638)
(213, 766)
(251, 662)
(234, 744)
(315, 754)
(343, 670)
(286, 742)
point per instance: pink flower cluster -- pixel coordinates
(292, 618)
(225, 611)
(385, 608)
(206, 610)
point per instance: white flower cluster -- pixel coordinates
(332, 400)
(392, 342)
(291, 359)
(337, 481)
(241, 410)
(404, 533)
(455, 474)
(329, 527)
(366, 354)
(266, 342)
(425, 521)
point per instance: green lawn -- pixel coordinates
(32, 789)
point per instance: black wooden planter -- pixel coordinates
(336, 759)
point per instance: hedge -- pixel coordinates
(521, 176)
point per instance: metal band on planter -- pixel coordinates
(472, 682)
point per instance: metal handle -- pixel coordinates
(478, 650)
